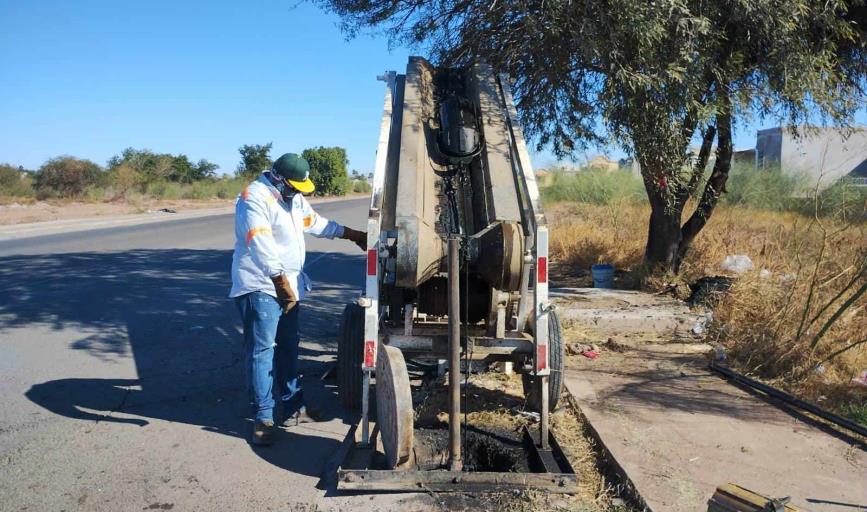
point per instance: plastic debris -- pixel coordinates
(529, 414)
(861, 380)
(590, 354)
(788, 278)
(737, 263)
(764, 273)
(719, 353)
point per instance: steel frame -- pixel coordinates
(535, 264)
(554, 473)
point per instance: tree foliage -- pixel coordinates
(328, 170)
(67, 177)
(15, 181)
(151, 166)
(254, 159)
(651, 77)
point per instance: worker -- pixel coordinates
(269, 283)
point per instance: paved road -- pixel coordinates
(121, 375)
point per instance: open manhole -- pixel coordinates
(488, 451)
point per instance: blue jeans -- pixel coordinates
(271, 344)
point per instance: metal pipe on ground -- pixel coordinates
(789, 399)
(455, 460)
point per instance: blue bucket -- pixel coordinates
(603, 275)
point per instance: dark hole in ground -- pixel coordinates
(498, 451)
(484, 453)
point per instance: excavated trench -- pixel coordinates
(483, 451)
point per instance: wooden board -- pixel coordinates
(734, 498)
(394, 406)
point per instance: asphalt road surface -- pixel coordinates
(122, 375)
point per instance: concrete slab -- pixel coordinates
(678, 431)
(628, 316)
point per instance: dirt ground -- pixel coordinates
(679, 431)
(40, 211)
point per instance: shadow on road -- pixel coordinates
(167, 310)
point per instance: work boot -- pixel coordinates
(303, 415)
(263, 433)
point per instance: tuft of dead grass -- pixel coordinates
(495, 402)
(783, 320)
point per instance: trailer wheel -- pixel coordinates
(555, 361)
(350, 351)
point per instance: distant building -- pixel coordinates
(543, 177)
(744, 156)
(603, 163)
(821, 155)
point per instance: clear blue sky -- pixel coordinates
(90, 78)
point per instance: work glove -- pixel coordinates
(285, 296)
(359, 237)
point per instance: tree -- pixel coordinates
(254, 159)
(328, 170)
(650, 76)
(206, 169)
(184, 171)
(14, 181)
(153, 166)
(66, 176)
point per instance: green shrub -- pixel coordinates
(767, 189)
(856, 411)
(361, 186)
(97, 194)
(200, 190)
(126, 179)
(593, 186)
(14, 182)
(164, 190)
(229, 188)
(842, 200)
(68, 177)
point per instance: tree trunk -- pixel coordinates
(713, 189)
(663, 234)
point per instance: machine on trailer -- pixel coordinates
(457, 267)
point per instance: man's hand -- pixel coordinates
(359, 237)
(285, 296)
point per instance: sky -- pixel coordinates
(90, 78)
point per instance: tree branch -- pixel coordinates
(842, 309)
(839, 351)
(701, 163)
(715, 184)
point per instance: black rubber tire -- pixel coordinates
(350, 351)
(555, 362)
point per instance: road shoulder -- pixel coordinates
(101, 220)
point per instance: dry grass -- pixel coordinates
(495, 403)
(772, 320)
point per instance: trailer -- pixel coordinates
(457, 269)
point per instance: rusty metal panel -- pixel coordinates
(454, 481)
(419, 248)
(500, 185)
(392, 162)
